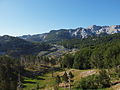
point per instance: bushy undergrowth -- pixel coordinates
(101, 80)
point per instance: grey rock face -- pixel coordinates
(93, 30)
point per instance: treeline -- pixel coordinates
(90, 41)
(106, 55)
(9, 69)
(32, 60)
(12, 70)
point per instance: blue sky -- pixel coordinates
(18, 17)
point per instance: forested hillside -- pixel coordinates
(9, 69)
(94, 65)
(14, 46)
(59, 45)
(90, 41)
(105, 55)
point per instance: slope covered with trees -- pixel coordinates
(9, 69)
(90, 41)
(95, 54)
(105, 55)
(14, 46)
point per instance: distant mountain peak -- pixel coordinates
(115, 26)
(92, 26)
(56, 35)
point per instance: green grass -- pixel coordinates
(81, 89)
(47, 82)
(42, 81)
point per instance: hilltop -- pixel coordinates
(15, 46)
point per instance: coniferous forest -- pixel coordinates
(59, 45)
(95, 64)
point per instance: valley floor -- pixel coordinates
(47, 82)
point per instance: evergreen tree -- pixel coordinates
(104, 79)
(65, 77)
(58, 79)
(8, 73)
(97, 58)
(82, 59)
(95, 81)
(67, 61)
(71, 75)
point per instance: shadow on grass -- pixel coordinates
(29, 82)
(38, 78)
(23, 86)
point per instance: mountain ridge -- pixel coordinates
(61, 34)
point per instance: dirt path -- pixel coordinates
(87, 73)
(115, 87)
